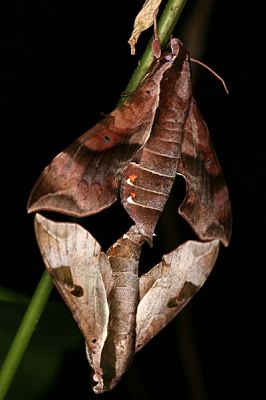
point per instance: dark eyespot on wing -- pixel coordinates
(77, 291)
(64, 276)
(187, 292)
(107, 139)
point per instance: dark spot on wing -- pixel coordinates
(187, 292)
(107, 139)
(77, 291)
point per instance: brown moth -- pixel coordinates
(179, 144)
(117, 312)
(100, 289)
(137, 150)
(85, 178)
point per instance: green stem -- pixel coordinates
(166, 26)
(25, 332)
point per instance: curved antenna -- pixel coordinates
(212, 71)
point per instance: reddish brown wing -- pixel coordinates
(85, 178)
(207, 206)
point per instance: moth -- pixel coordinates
(118, 312)
(136, 152)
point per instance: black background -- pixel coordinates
(62, 66)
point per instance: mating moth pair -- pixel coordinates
(133, 154)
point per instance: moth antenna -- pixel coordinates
(212, 71)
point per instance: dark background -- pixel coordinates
(61, 67)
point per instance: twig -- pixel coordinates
(24, 332)
(166, 26)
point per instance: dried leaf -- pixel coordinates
(143, 21)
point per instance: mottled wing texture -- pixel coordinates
(207, 206)
(170, 285)
(83, 276)
(85, 178)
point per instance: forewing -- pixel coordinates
(207, 206)
(85, 178)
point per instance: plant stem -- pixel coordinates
(166, 26)
(25, 332)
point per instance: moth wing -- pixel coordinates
(207, 206)
(170, 285)
(85, 178)
(82, 274)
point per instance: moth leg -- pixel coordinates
(156, 45)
